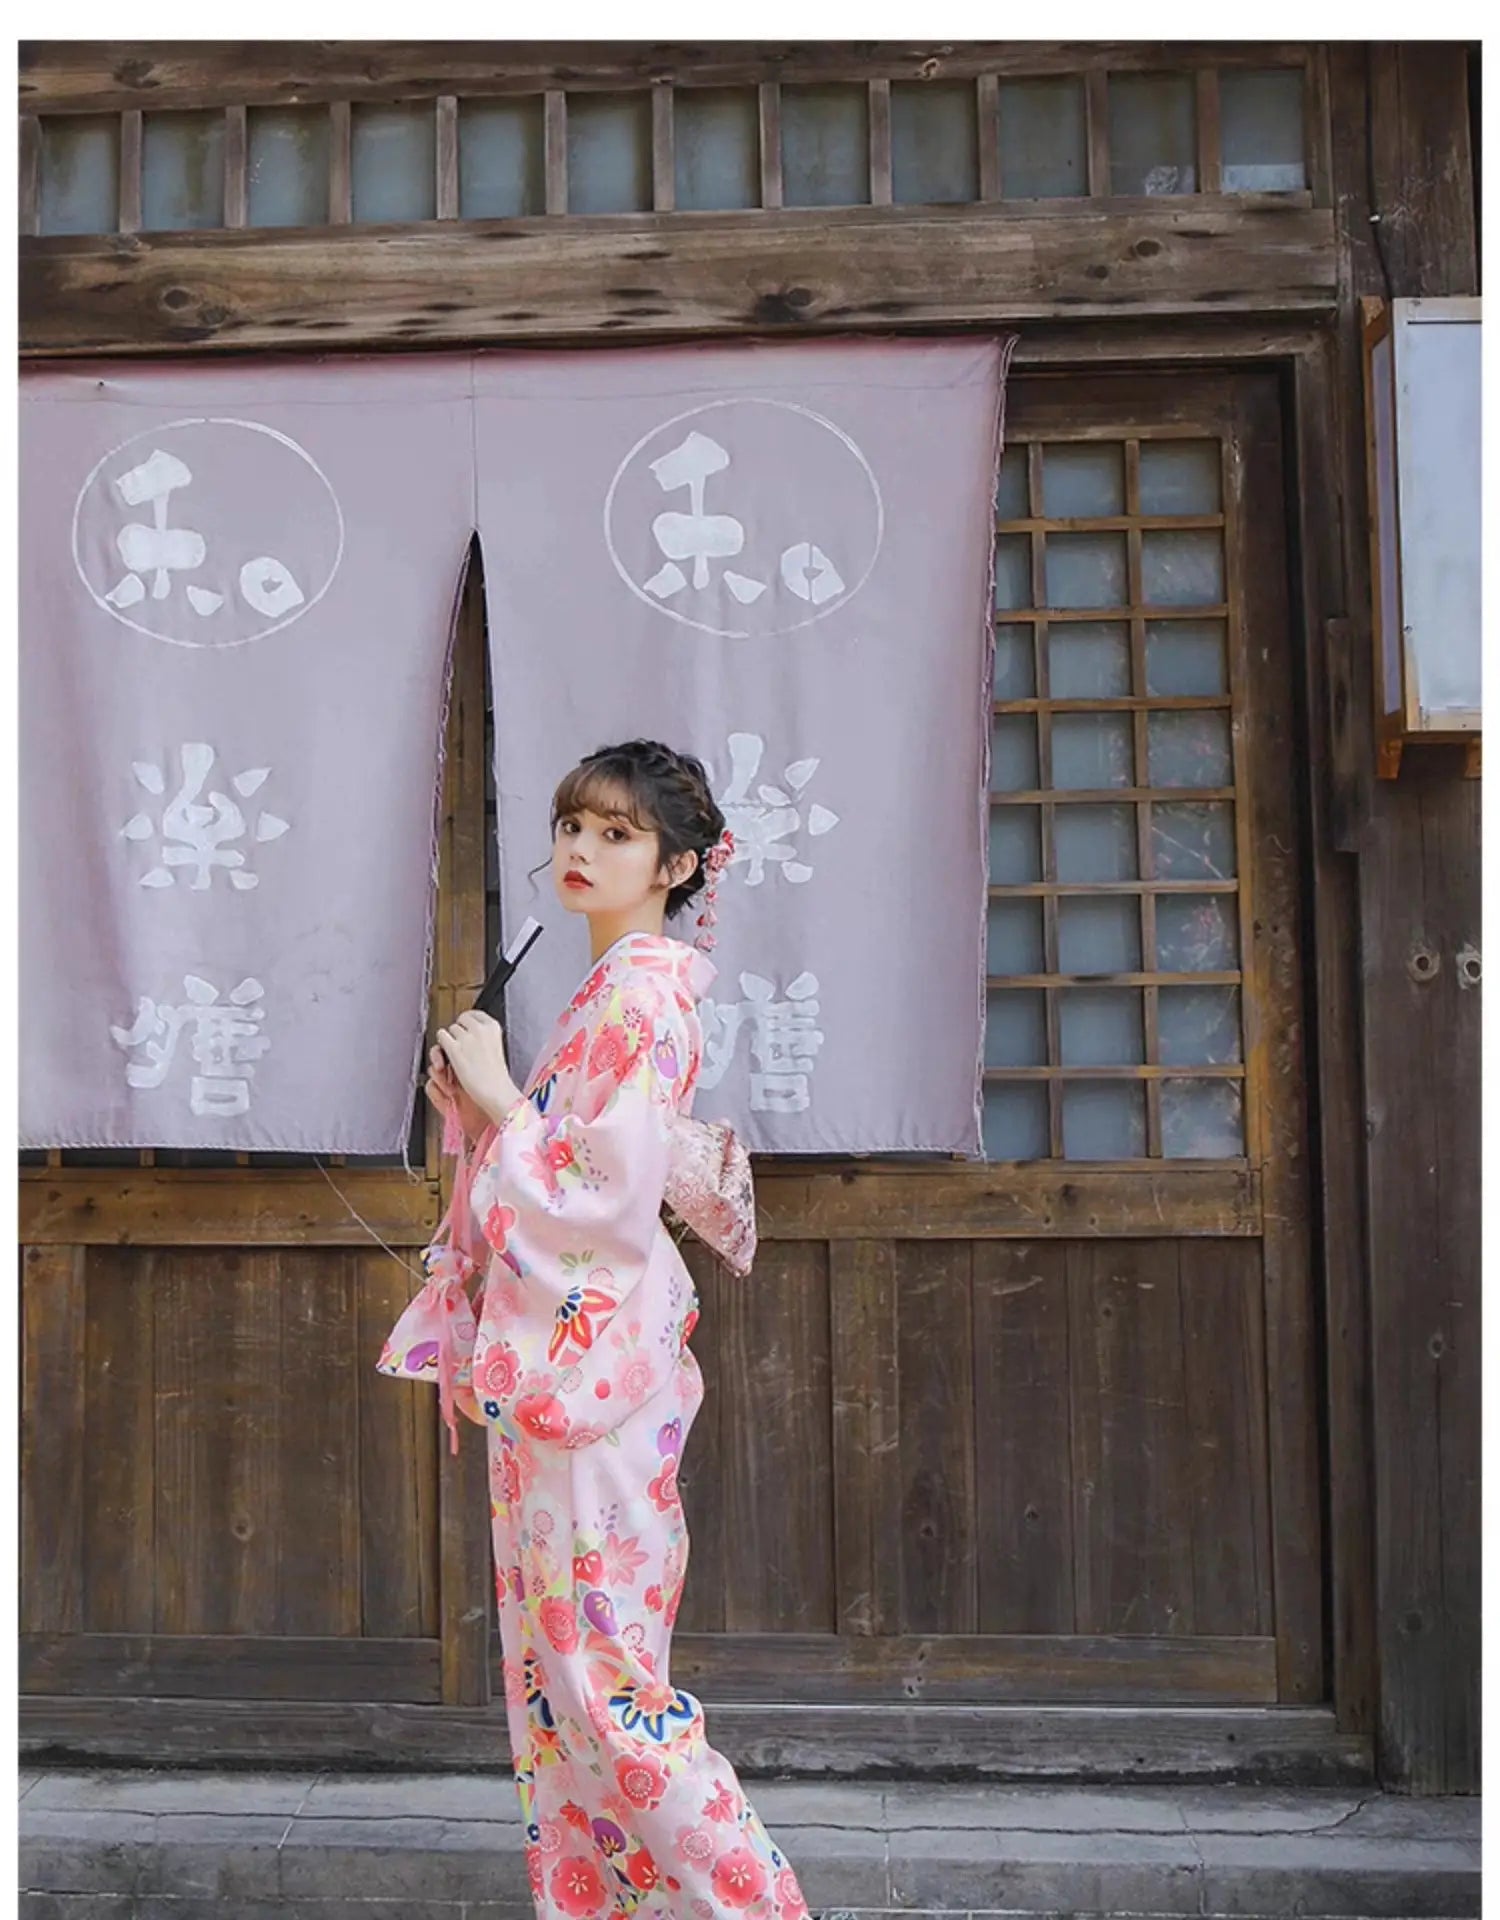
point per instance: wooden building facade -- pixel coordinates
(1148, 1448)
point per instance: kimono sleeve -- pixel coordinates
(589, 1318)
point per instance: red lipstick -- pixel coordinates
(576, 880)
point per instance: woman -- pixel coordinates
(579, 1369)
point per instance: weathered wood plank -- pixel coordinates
(119, 1546)
(236, 166)
(29, 176)
(535, 280)
(701, 1478)
(446, 201)
(318, 1583)
(53, 1406)
(229, 1668)
(864, 1323)
(186, 1207)
(938, 1525)
(397, 1469)
(132, 138)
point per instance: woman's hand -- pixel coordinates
(446, 1094)
(475, 1047)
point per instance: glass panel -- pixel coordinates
(825, 146)
(1199, 1026)
(1104, 1120)
(80, 184)
(393, 163)
(1043, 139)
(1182, 569)
(1015, 937)
(1086, 570)
(1202, 1119)
(1092, 750)
(1015, 1029)
(1180, 476)
(502, 169)
(1015, 1122)
(1083, 482)
(182, 171)
(1193, 841)
(934, 142)
(1015, 846)
(1261, 128)
(1013, 497)
(287, 166)
(1101, 1026)
(1152, 133)
(1188, 749)
(1099, 933)
(1095, 843)
(1013, 570)
(1185, 657)
(1013, 754)
(716, 133)
(1196, 933)
(609, 152)
(1015, 664)
(1089, 660)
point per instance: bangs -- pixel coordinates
(609, 794)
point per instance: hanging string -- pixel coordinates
(360, 1220)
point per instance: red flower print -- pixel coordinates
(610, 1052)
(721, 1804)
(571, 1054)
(574, 1321)
(498, 1371)
(588, 1568)
(654, 1599)
(577, 1886)
(497, 1225)
(787, 1895)
(622, 1559)
(738, 1877)
(643, 1870)
(642, 1778)
(560, 1624)
(575, 1815)
(536, 1869)
(557, 1153)
(663, 1488)
(695, 1844)
(543, 1415)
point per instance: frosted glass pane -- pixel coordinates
(1261, 128)
(1152, 138)
(1189, 750)
(80, 184)
(182, 171)
(1095, 843)
(287, 166)
(1013, 571)
(1015, 937)
(1099, 934)
(1185, 657)
(609, 152)
(934, 142)
(1015, 1122)
(716, 133)
(1182, 569)
(1202, 1119)
(1015, 1029)
(1180, 476)
(1104, 1120)
(1193, 841)
(393, 163)
(1043, 139)
(1015, 846)
(1012, 497)
(1199, 1026)
(1015, 664)
(1196, 933)
(1089, 660)
(1013, 753)
(1092, 750)
(1101, 1026)
(1083, 482)
(501, 159)
(825, 146)
(1086, 570)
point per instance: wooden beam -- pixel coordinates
(183, 1207)
(29, 176)
(1096, 103)
(555, 143)
(340, 164)
(447, 157)
(769, 107)
(987, 102)
(1210, 142)
(132, 135)
(229, 1667)
(236, 167)
(682, 276)
(663, 150)
(881, 189)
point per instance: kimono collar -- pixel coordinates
(689, 966)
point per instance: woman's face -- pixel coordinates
(618, 859)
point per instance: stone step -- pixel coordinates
(180, 1845)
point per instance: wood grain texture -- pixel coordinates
(188, 1207)
(53, 1402)
(866, 1391)
(319, 1506)
(654, 276)
(119, 1547)
(701, 1477)
(937, 1535)
(29, 176)
(217, 1667)
(236, 166)
(398, 1428)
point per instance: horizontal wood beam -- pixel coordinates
(186, 1207)
(92, 76)
(452, 283)
(230, 1666)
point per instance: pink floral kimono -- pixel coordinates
(578, 1364)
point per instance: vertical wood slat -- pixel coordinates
(318, 1591)
(340, 164)
(447, 156)
(1315, 127)
(863, 1304)
(1140, 749)
(52, 1439)
(120, 1464)
(663, 148)
(29, 176)
(555, 142)
(702, 1474)
(398, 1589)
(881, 188)
(236, 167)
(987, 102)
(1047, 813)
(935, 1362)
(769, 102)
(1210, 147)
(1096, 99)
(132, 128)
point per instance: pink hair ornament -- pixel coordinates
(715, 860)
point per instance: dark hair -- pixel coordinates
(660, 792)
